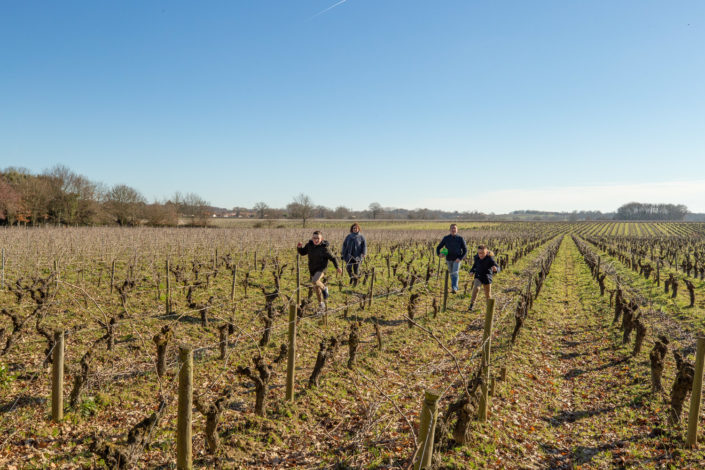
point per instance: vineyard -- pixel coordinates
(203, 348)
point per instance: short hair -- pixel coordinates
(355, 225)
(481, 247)
(318, 232)
(453, 225)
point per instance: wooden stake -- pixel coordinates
(291, 359)
(486, 348)
(232, 289)
(445, 291)
(696, 394)
(184, 454)
(427, 429)
(112, 276)
(168, 288)
(372, 287)
(57, 382)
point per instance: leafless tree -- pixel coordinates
(301, 208)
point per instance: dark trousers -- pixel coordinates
(353, 268)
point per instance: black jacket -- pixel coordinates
(457, 249)
(483, 268)
(318, 256)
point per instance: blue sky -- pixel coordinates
(457, 105)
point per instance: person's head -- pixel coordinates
(482, 251)
(453, 229)
(317, 237)
(355, 228)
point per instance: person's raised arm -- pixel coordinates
(302, 249)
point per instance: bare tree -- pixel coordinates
(124, 204)
(375, 209)
(261, 209)
(301, 208)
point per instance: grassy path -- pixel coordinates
(574, 396)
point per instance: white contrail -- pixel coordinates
(328, 9)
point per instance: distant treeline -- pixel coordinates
(60, 196)
(645, 211)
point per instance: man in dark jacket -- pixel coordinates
(318, 256)
(457, 249)
(353, 252)
(484, 266)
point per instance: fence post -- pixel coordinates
(427, 429)
(57, 382)
(696, 394)
(184, 454)
(2, 282)
(445, 291)
(232, 288)
(372, 289)
(112, 276)
(168, 288)
(298, 280)
(291, 359)
(56, 270)
(486, 348)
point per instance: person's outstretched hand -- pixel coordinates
(494, 269)
(340, 270)
(299, 245)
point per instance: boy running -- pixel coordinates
(318, 256)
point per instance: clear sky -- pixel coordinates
(448, 104)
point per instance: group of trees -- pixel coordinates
(646, 211)
(60, 196)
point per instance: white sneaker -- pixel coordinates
(322, 307)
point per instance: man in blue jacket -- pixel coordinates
(457, 249)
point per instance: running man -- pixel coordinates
(318, 256)
(484, 266)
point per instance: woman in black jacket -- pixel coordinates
(318, 256)
(484, 266)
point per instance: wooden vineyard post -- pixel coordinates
(184, 454)
(445, 291)
(57, 378)
(597, 271)
(291, 359)
(112, 276)
(232, 288)
(298, 279)
(168, 288)
(56, 270)
(2, 280)
(372, 289)
(486, 348)
(696, 394)
(427, 428)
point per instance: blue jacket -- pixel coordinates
(457, 249)
(354, 247)
(483, 268)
